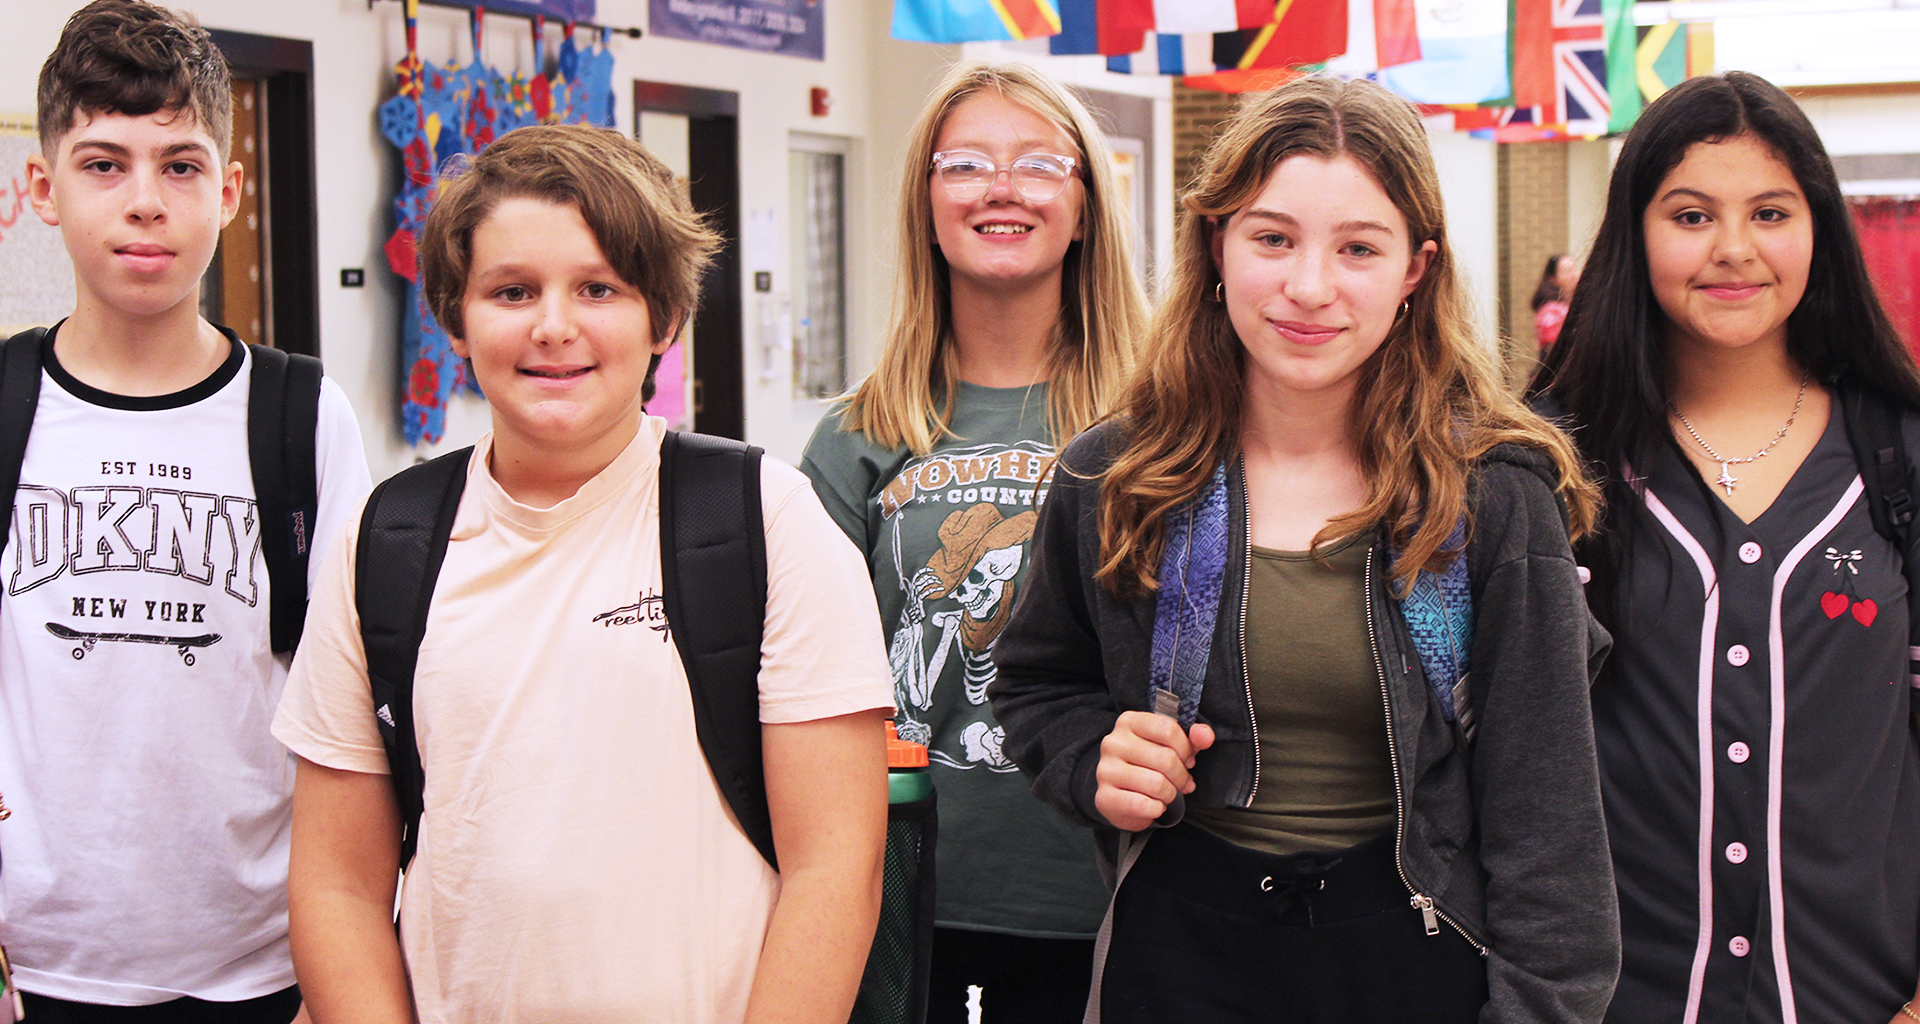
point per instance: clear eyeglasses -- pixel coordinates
(1038, 177)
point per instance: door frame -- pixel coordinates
(713, 157)
(289, 191)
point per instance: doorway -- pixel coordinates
(712, 154)
(264, 281)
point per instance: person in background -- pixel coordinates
(1218, 635)
(1551, 295)
(1757, 750)
(1014, 318)
(146, 856)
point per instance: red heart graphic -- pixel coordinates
(1865, 610)
(1833, 604)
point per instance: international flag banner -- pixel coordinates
(1361, 58)
(1091, 26)
(973, 21)
(1463, 55)
(1079, 29)
(1533, 79)
(1580, 67)
(1671, 53)
(1520, 124)
(1237, 81)
(1169, 55)
(1179, 17)
(1623, 51)
(1396, 32)
(1302, 32)
(1461, 118)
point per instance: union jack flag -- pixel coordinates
(1580, 68)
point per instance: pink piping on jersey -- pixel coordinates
(1777, 742)
(1709, 621)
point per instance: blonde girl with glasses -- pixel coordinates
(1013, 321)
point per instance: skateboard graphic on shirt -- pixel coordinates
(183, 644)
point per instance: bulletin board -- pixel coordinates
(33, 259)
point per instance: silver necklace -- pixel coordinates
(1727, 479)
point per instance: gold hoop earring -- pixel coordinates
(1405, 309)
(1220, 292)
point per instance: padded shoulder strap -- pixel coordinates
(403, 540)
(283, 413)
(1879, 449)
(713, 557)
(19, 397)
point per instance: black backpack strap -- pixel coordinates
(1880, 450)
(713, 562)
(283, 413)
(403, 540)
(20, 361)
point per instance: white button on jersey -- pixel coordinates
(1738, 752)
(1737, 655)
(1736, 853)
(1749, 552)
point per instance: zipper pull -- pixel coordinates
(1428, 915)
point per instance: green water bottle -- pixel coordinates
(894, 988)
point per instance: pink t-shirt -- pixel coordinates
(577, 862)
(1546, 322)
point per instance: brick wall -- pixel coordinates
(1533, 226)
(1197, 114)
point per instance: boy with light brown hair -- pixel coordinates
(576, 858)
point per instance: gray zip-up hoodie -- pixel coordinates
(1505, 837)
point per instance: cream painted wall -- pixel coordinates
(1589, 165)
(876, 85)
(1469, 184)
(1850, 125)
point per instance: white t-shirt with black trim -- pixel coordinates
(146, 858)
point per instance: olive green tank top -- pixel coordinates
(1326, 778)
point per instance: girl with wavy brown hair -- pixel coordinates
(1231, 660)
(1013, 326)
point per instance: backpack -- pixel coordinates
(1879, 449)
(283, 412)
(713, 562)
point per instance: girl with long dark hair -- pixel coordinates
(1759, 763)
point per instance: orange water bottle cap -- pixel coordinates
(903, 754)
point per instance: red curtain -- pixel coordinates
(1890, 235)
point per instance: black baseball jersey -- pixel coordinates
(1758, 756)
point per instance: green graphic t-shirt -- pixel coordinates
(948, 537)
